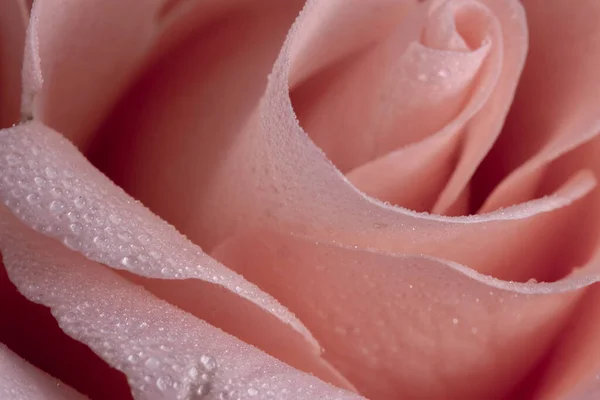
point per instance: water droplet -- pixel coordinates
(57, 206)
(50, 172)
(161, 384)
(124, 236)
(72, 243)
(76, 228)
(144, 238)
(455, 321)
(152, 363)
(39, 181)
(73, 216)
(193, 373)
(100, 241)
(128, 262)
(532, 280)
(79, 202)
(115, 219)
(198, 391)
(252, 392)
(208, 362)
(56, 192)
(33, 198)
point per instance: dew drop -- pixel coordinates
(532, 280)
(199, 391)
(252, 392)
(100, 241)
(455, 321)
(33, 198)
(155, 254)
(76, 228)
(128, 262)
(57, 206)
(193, 373)
(161, 384)
(79, 202)
(208, 362)
(72, 243)
(115, 219)
(124, 236)
(73, 216)
(56, 192)
(50, 172)
(39, 181)
(152, 363)
(144, 238)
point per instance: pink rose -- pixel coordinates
(393, 199)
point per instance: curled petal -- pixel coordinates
(77, 65)
(411, 326)
(274, 176)
(53, 189)
(553, 126)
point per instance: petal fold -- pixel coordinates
(53, 189)
(165, 352)
(411, 326)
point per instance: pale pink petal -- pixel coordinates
(31, 331)
(400, 92)
(168, 134)
(554, 110)
(82, 55)
(274, 175)
(410, 326)
(574, 363)
(20, 380)
(165, 352)
(391, 95)
(52, 188)
(484, 128)
(13, 22)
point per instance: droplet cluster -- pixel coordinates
(164, 352)
(51, 187)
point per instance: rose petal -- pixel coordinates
(484, 128)
(574, 365)
(31, 331)
(400, 92)
(554, 110)
(365, 100)
(221, 181)
(275, 176)
(20, 380)
(410, 326)
(13, 22)
(186, 110)
(165, 353)
(86, 63)
(58, 193)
